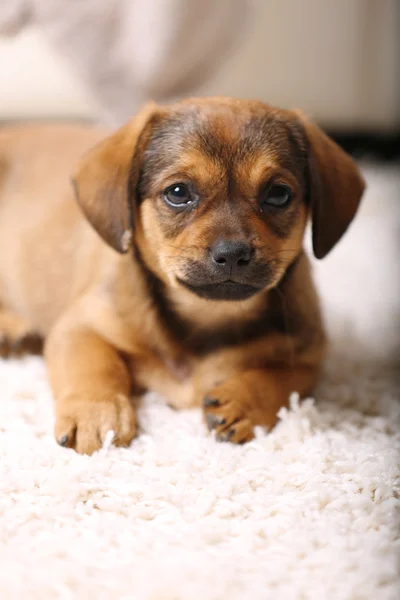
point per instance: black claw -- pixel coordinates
(207, 402)
(63, 441)
(225, 436)
(212, 421)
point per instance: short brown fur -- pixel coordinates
(119, 297)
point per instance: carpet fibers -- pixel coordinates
(310, 511)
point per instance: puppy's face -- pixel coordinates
(222, 198)
(215, 193)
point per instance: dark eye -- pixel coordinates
(277, 195)
(178, 195)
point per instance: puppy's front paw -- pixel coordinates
(226, 414)
(82, 423)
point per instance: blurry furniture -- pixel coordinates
(338, 60)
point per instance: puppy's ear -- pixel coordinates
(335, 188)
(106, 179)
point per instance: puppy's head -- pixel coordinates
(216, 193)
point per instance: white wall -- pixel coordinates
(35, 82)
(339, 60)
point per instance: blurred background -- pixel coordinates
(338, 60)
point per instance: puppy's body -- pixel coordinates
(45, 245)
(121, 322)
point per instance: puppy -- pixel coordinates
(179, 268)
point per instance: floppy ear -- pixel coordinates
(106, 179)
(335, 188)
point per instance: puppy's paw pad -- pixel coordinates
(238, 432)
(214, 421)
(228, 420)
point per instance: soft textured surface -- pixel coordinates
(310, 511)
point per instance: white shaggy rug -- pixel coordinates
(310, 511)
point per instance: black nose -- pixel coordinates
(231, 255)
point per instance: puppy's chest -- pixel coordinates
(182, 380)
(180, 369)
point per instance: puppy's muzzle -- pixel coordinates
(229, 272)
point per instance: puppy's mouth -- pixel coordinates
(225, 290)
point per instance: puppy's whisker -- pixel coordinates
(176, 258)
(183, 248)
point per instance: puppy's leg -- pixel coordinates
(17, 336)
(252, 398)
(91, 385)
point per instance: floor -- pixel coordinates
(310, 511)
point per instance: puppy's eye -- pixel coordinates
(178, 195)
(277, 195)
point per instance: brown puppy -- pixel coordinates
(188, 276)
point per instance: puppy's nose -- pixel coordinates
(231, 255)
